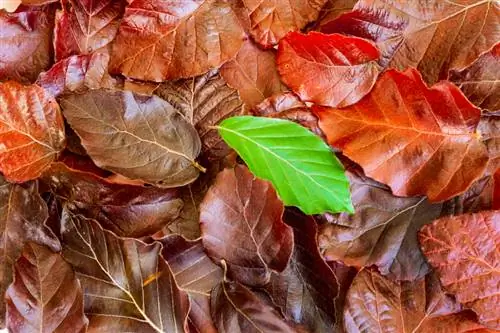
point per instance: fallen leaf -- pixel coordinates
(376, 304)
(432, 36)
(480, 81)
(77, 74)
(241, 222)
(332, 70)
(333, 9)
(26, 42)
(200, 320)
(83, 26)
(253, 73)
(477, 198)
(464, 251)
(489, 130)
(416, 139)
(112, 272)
(31, 131)
(45, 296)
(496, 190)
(140, 137)
(162, 40)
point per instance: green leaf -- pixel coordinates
(302, 168)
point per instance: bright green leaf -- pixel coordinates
(302, 168)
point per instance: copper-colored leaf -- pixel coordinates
(22, 217)
(83, 26)
(480, 81)
(307, 288)
(477, 198)
(131, 211)
(253, 72)
(377, 304)
(45, 296)
(489, 130)
(127, 285)
(204, 101)
(241, 222)
(332, 70)
(77, 74)
(31, 131)
(496, 190)
(26, 43)
(160, 39)
(464, 251)
(416, 139)
(236, 309)
(140, 137)
(433, 36)
(333, 9)
(271, 20)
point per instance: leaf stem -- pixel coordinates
(199, 167)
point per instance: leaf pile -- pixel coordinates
(205, 166)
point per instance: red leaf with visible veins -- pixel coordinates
(416, 139)
(332, 70)
(31, 131)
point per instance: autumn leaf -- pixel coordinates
(140, 137)
(332, 70)
(333, 9)
(31, 131)
(45, 296)
(416, 139)
(464, 251)
(489, 130)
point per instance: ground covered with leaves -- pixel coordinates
(250, 166)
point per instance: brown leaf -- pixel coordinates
(376, 304)
(464, 251)
(271, 20)
(480, 81)
(253, 73)
(477, 198)
(416, 139)
(333, 9)
(236, 309)
(140, 137)
(200, 320)
(382, 231)
(306, 290)
(31, 131)
(489, 130)
(434, 36)
(45, 296)
(127, 285)
(496, 190)
(162, 40)
(77, 74)
(26, 40)
(22, 218)
(83, 26)
(204, 101)
(332, 70)
(128, 211)
(241, 222)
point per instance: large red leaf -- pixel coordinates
(433, 36)
(31, 131)
(45, 296)
(26, 43)
(417, 140)
(162, 39)
(480, 81)
(332, 70)
(464, 251)
(377, 304)
(241, 222)
(84, 26)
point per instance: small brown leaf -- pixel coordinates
(45, 296)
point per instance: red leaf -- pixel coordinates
(417, 140)
(31, 131)
(464, 251)
(331, 70)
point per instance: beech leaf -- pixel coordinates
(301, 167)
(464, 251)
(127, 285)
(140, 137)
(332, 70)
(416, 139)
(45, 296)
(241, 222)
(31, 131)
